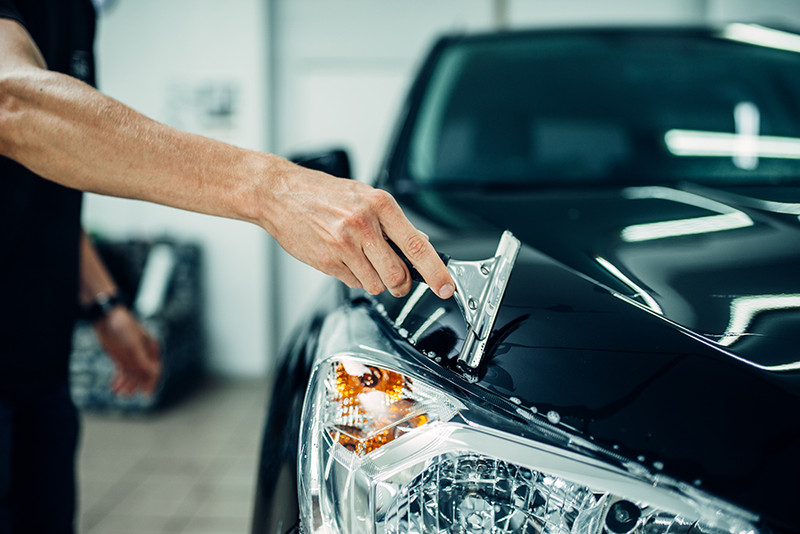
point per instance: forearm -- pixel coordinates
(67, 132)
(94, 277)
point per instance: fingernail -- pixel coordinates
(446, 291)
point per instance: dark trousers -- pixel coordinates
(38, 439)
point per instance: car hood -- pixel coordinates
(721, 264)
(660, 322)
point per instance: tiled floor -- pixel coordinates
(188, 469)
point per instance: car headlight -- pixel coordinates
(388, 447)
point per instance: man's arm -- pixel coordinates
(65, 131)
(135, 353)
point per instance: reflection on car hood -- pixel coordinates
(660, 321)
(721, 264)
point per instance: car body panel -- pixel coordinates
(645, 377)
(657, 319)
(692, 279)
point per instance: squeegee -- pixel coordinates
(480, 286)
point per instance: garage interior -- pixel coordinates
(283, 76)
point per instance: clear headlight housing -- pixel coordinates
(384, 449)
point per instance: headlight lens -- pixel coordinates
(367, 406)
(383, 450)
(478, 494)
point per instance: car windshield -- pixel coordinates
(624, 107)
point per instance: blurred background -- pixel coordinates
(282, 76)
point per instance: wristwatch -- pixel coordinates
(102, 305)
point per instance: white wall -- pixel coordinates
(589, 12)
(154, 55)
(761, 11)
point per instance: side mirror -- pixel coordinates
(335, 162)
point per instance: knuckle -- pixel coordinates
(382, 200)
(395, 277)
(416, 245)
(359, 221)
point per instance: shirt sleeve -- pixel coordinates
(9, 11)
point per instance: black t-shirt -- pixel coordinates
(40, 220)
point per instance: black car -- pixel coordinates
(642, 374)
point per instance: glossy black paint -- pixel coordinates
(652, 387)
(275, 508)
(632, 343)
(692, 280)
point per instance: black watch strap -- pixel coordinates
(102, 305)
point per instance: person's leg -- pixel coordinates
(6, 421)
(43, 471)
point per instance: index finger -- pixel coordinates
(418, 250)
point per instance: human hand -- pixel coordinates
(135, 353)
(340, 227)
